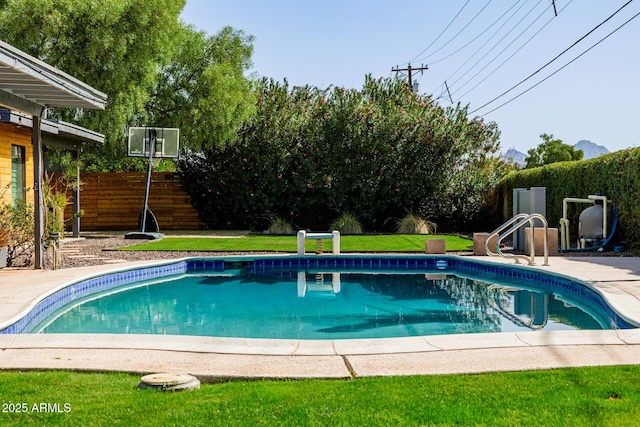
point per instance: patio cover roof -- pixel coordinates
(54, 132)
(28, 84)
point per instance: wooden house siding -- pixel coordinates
(14, 135)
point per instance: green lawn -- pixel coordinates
(603, 396)
(262, 243)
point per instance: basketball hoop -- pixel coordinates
(151, 142)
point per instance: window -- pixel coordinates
(17, 173)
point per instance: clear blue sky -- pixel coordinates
(338, 42)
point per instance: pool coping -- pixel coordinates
(217, 359)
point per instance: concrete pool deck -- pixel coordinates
(219, 359)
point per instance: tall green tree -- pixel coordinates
(116, 46)
(551, 151)
(204, 90)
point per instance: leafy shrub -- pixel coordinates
(346, 224)
(378, 151)
(5, 237)
(413, 224)
(17, 224)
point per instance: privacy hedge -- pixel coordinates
(615, 175)
(309, 154)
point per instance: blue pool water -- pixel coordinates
(328, 298)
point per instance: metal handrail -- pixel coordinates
(497, 232)
(523, 221)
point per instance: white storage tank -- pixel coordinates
(590, 223)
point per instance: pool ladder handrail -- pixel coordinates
(497, 231)
(519, 221)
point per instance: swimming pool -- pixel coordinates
(537, 294)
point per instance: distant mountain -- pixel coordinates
(590, 149)
(515, 156)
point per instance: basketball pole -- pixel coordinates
(145, 206)
(161, 143)
(146, 212)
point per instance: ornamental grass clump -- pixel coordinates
(346, 224)
(414, 224)
(280, 226)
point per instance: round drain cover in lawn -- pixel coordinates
(169, 382)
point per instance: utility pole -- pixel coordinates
(410, 72)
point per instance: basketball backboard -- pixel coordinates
(166, 142)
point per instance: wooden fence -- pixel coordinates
(113, 201)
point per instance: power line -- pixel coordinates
(554, 59)
(502, 51)
(485, 43)
(515, 52)
(496, 45)
(561, 68)
(440, 35)
(478, 36)
(457, 34)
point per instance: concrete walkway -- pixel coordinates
(217, 359)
